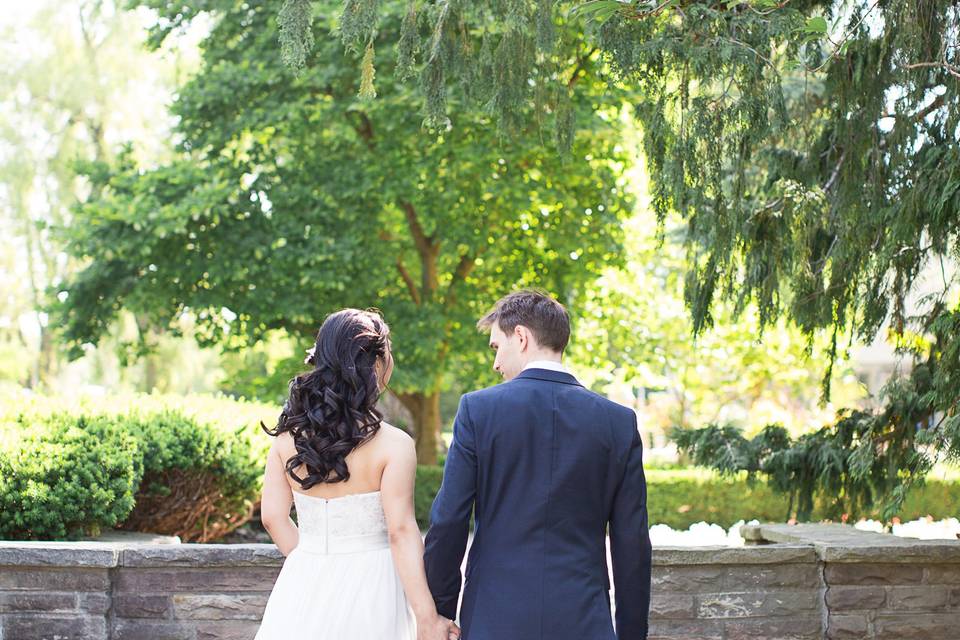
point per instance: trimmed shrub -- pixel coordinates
(63, 481)
(198, 483)
(71, 471)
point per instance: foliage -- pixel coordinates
(811, 148)
(293, 197)
(681, 497)
(633, 341)
(74, 470)
(64, 481)
(74, 76)
(865, 458)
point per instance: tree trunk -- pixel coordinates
(425, 409)
(47, 359)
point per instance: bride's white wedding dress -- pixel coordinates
(340, 583)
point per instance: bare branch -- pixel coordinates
(951, 69)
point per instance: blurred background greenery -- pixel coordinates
(179, 211)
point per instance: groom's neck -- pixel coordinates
(549, 356)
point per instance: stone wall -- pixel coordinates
(799, 582)
(881, 586)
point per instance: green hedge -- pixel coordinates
(682, 497)
(63, 480)
(147, 464)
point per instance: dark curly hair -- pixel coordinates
(332, 409)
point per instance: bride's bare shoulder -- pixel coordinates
(283, 444)
(394, 435)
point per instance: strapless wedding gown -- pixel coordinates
(340, 583)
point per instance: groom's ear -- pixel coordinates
(524, 335)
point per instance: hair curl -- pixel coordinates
(331, 410)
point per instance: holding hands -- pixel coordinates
(438, 628)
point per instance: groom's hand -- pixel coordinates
(453, 631)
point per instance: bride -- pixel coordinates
(354, 559)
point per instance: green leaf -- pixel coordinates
(816, 25)
(598, 10)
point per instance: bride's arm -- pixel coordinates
(396, 491)
(276, 502)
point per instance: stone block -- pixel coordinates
(895, 550)
(685, 630)
(671, 605)
(226, 630)
(32, 626)
(798, 628)
(921, 598)
(37, 601)
(765, 603)
(203, 555)
(955, 598)
(942, 574)
(57, 554)
(682, 579)
(847, 627)
(220, 607)
(843, 573)
(128, 605)
(98, 603)
(124, 629)
(917, 626)
(841, 598)
(746, 578)
(41, 579)
(717, 555)
(188, 580)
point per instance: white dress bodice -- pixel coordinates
(349, 524)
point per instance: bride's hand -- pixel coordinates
(437, 628)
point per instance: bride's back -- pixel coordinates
(365, 464)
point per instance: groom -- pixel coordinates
(545, 466)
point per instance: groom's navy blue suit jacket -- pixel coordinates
(545, 465)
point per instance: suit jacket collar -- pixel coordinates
(548, 375)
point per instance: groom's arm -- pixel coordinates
(630, 548)
(450, 516)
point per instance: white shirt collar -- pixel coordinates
(550, 365)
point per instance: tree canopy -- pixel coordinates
(811, 146)
(295, 194)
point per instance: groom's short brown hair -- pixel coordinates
(536, 310)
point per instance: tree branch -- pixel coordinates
(581, 62)
(919, 115)
(464, 267)
(364, 128)
(421, 240)
(408, 280)
(951, 69)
